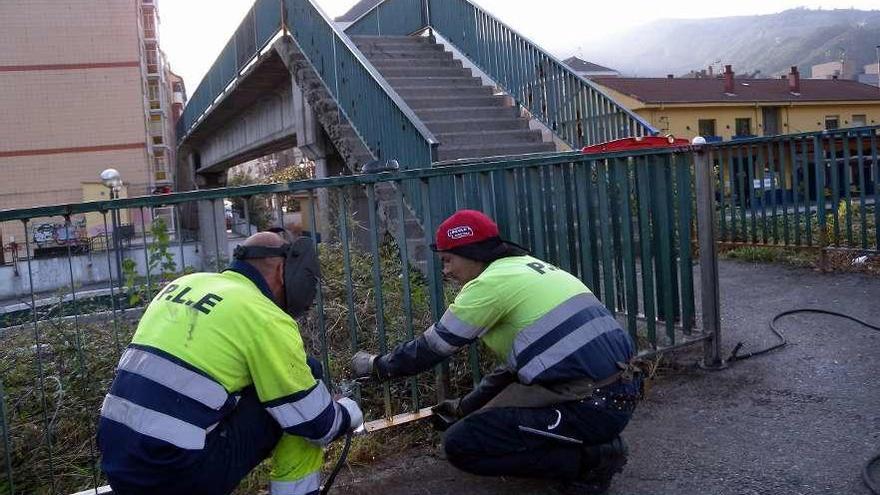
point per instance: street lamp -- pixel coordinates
(113, 181)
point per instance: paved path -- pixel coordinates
(801, 420)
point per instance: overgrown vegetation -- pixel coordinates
(77, 365)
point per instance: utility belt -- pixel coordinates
(585, 389)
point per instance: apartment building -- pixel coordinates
(85, 87)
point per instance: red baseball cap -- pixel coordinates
(462, 228)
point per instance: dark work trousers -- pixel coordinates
(238, 444)
(490, 443)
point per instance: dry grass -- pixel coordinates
(78, 363)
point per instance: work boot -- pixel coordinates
(601, 463)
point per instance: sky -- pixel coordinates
(193, 32)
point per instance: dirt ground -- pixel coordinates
(801, 420)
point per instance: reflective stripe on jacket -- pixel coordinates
(202, 340)
(539, 320)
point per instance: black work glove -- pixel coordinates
(446, 414)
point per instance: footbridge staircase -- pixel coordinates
(422, 82)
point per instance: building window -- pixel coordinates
(832, 122)
(154, 95)
(706, 127)
(859, 120)
(743, 127)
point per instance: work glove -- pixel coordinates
(354, 412)
(362, 364)
(446, 414)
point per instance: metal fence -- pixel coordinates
(817, 189)
(623, 223)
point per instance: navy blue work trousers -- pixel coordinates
(239, 444)
(490, 442)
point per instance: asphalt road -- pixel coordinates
(801, 420)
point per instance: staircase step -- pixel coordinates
(440, 102)
(477, 151)
(443, 91)
(516, 136)
(467, 113)
(422, 81)
(475, 124)
(378, 55)
(425, 72)
(394, 63)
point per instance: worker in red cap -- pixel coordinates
(566, 387)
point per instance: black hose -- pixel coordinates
(328, 483)
(870, 482)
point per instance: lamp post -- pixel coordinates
(113, 181)
(877, 48)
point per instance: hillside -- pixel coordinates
(766, 43)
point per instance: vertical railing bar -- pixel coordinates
(648, 292)
(662, 230)
(808, 208)
(113, 301)
(403, 248)
(378, 295)
(774, 186)
(722, 206)
(741, 179)
(179, 226)
(512, 206)
(686, 221)
(39, 352)
(346, 263)
(78, 343)
(581, 176)
(560, 216)
(820, 191)
(147, 257)
(835, 188)
(605, 237)
(874, 160)
(750, 186)
(459, 195)
(863, 214)
(734, 195)
(617, 241)
(761, 164)
(571, 217)
(847, 177)
(537, 217)
(247, 214)
(630, 284)
(711, 305)
(438, 302)
(795, 190)
(319, 292)
(7, 445)
(786, 234)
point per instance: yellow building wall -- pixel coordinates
(683, 121)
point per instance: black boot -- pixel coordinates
(601, 463)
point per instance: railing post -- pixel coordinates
(708, 254)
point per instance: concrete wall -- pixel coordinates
(53, 274)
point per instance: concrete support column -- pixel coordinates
(212, 226)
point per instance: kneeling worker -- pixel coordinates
(216, 379)
(567, 387)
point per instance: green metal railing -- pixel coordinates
(378, 114)
(575, 108)
(623, 223)
(391, 18)
(815, 189)
(261, 23)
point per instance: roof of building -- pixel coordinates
(584, 66)
(665, 90)
(358, 10)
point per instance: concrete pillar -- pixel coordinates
(212, 225)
